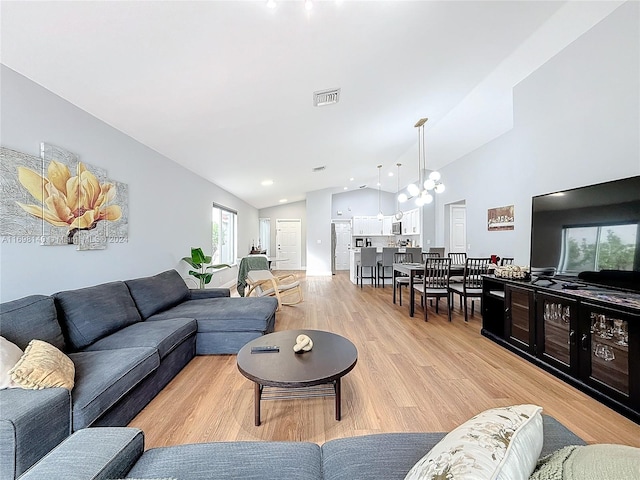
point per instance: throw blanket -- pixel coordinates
(252, 262)
(590, 462)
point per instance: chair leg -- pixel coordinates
(472, 304)
(425, 310)
(449, 306)
(437, 301)
(466, 314)
(400, 293)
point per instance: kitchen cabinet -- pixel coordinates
(411, 224)
(370, 225)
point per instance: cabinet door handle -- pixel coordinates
(572, 337)
(584, 343)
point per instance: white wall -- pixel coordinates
(576, 122)
(169, 206)
(288, 211)
(319, 232)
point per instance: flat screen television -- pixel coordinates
(587, 229)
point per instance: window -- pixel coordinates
(594, 248)
(223, 235)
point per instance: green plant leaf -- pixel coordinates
(197, 256)
(190, 262)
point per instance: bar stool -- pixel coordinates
(368, 259)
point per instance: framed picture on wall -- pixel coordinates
(500, 218)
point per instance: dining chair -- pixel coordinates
(438, 250)
(416, 253)
(435, 283)
(426, 255)
(506, 261)
(401, 280)
(457, 258)
(386, 264)
(471, 286)
(368, 259)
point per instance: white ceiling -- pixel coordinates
(225, 87)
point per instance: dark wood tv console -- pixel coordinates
(587, 336)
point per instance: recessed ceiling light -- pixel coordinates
(351, 179)
(271, 3)
(282, 200)
(346, 188)
(390, 174)
(266, 183)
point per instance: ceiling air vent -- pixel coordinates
(318, 169)
(363, 186)
(326, 97)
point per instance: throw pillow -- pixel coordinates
(497, 444)
(590, 461)
(43, 366)
(9, 356)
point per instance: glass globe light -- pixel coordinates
(428, 198)
(413, 189)
(403, 197)
(399, 215)
(439, 188)
(429, 184)
(419, 201)
(380, 215)
(435, 176)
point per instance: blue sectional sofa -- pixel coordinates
(109, 453)
(127, 340)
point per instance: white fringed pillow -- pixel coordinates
(10, 353)
(497, 444)
(43, 366)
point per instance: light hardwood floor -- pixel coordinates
(410, 376)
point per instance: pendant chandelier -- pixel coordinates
(422, 190)
(380, 214)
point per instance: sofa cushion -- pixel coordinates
(225, 460)
(500, 443)
(88, 314)
(43, 366)
(104, 377)
(225, 314)
(157, 293)
(163, 335)
(373, 457)
(31, 317)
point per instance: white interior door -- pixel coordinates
(343, 243)
(458, 229)
(288, 244)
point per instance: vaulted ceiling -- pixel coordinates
(225, 87)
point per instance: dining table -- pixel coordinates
(412, 270)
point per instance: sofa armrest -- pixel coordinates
(92, 454)
(198, 294)
(32, 423)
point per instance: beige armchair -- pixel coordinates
(286, 288)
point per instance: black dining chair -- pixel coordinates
(471, 286)
(457, 259)
(506, 261)
(401, 280)
(435, 283)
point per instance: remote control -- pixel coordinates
(265, 349)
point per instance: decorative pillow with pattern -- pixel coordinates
(43, 366)
(497, 444)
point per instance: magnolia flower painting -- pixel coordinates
(75, 202)
(58, 200)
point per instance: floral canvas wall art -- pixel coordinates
(72, 201)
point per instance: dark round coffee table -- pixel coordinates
(297, 375)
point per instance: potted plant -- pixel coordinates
(200, 262)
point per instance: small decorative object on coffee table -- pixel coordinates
(284, 374)
(303, 344)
